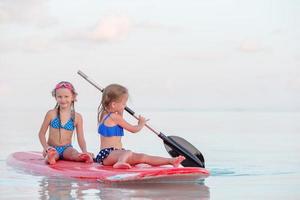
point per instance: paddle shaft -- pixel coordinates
(166, 139)
(126, 108)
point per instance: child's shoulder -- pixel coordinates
(78, 118)
(52, 112)
(115, 116)
(78, 115)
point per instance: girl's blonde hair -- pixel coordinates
(113, 92)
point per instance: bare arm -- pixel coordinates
(129, 127)
(43, 130)
(80, 133)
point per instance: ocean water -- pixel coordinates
(251, 155)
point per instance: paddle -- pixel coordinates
(175, 145)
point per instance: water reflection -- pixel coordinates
(58, 188)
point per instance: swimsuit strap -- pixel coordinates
(107, 116)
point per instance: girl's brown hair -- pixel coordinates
(113, 92)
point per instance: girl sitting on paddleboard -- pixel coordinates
(61, 121)
(111, 129)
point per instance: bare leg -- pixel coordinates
(138, 158)
(124, 159)
(72, 154)
(118, 159)
(52, 156)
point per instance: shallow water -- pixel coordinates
(251, 155)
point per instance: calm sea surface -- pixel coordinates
(251, 155)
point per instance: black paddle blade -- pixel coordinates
(188, 147)
(180, 150)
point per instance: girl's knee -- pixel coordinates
(127, 152)
(139, 157)
(70, 153)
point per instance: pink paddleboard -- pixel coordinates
(34, 162)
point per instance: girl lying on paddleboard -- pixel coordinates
(111, 129)
(62, 121)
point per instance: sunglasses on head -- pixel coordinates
(64, 85)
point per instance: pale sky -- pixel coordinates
(170, 54)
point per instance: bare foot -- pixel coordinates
(176, 161)
(50, 157)
(85, 157)
(121, 166)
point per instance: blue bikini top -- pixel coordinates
(109, 131)
(69, 125)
